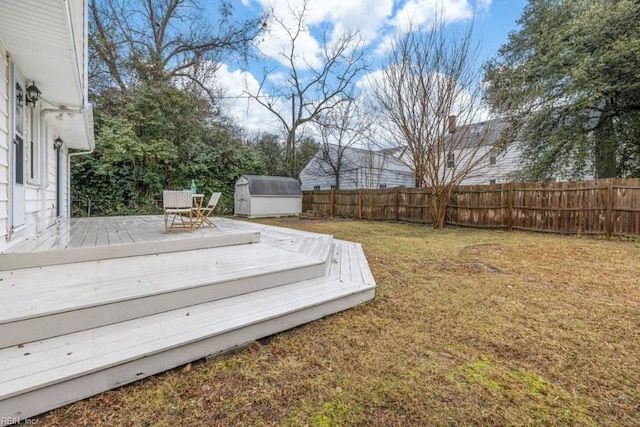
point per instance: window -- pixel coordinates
(492, 181)
(18, 137)
(492, 160)
(34, 151)
(333, 187)
(451, 160)
(382, 186)
(316, 187)
(325, 154)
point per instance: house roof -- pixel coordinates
(363, 157)
(260, 185)
(48, 42)
(483, 133)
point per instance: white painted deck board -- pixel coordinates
(84, 352)
(87, 232)
(53, 289)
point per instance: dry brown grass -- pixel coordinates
(468, 328)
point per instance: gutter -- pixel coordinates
(74, 52)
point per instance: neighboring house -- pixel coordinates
(481, 139)
(44, 112)
(354, 168)
(495, 167)
(389, 168)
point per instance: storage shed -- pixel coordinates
(262, 196)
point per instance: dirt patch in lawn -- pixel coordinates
(469, 327)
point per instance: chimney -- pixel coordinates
(452, 123)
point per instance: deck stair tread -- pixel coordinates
(267, 232)
(349, 263)
(316, 247)
(31, 292)
(40, 252)
(37, 364)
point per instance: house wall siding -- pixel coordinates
(38, 216)
(359, 169)
(4, 145)
(507, 161)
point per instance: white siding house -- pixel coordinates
(43, 45)
(355, 168)
(496, 165)
(474, 143)
(492, 167)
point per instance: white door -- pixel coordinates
(242, 203)
(17, 161)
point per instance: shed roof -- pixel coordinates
(260, 185)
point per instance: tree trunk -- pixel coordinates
(605, 150)
(290, 155)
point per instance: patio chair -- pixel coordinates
(178, 204)
(206, 211)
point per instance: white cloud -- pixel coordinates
(246, 112)
(366, 16)
(419, 12)
(378, 21)
(282, 26)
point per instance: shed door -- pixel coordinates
(242, 202)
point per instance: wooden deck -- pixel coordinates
(71, 330)
(92, 239)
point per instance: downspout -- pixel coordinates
(43, 137)
(88, 117)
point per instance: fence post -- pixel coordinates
(359, 204)
(397, 203)
(609, 198)
(510, 206)
(332, 200)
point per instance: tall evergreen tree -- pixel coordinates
(570, 80)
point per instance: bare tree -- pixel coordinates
(312, 85)
(429, 87)
(155, 39)
(340, 129)
(373, 163)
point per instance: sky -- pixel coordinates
(378, 22)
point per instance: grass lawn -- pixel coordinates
(469, 327)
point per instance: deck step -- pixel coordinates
(54, 300)
(43, 375)
(31, 257)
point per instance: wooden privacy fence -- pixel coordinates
(608, 207)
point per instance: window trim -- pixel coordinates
(34, 150)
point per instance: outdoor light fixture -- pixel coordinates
(33, 94)
(19, 95)
(57, 143)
